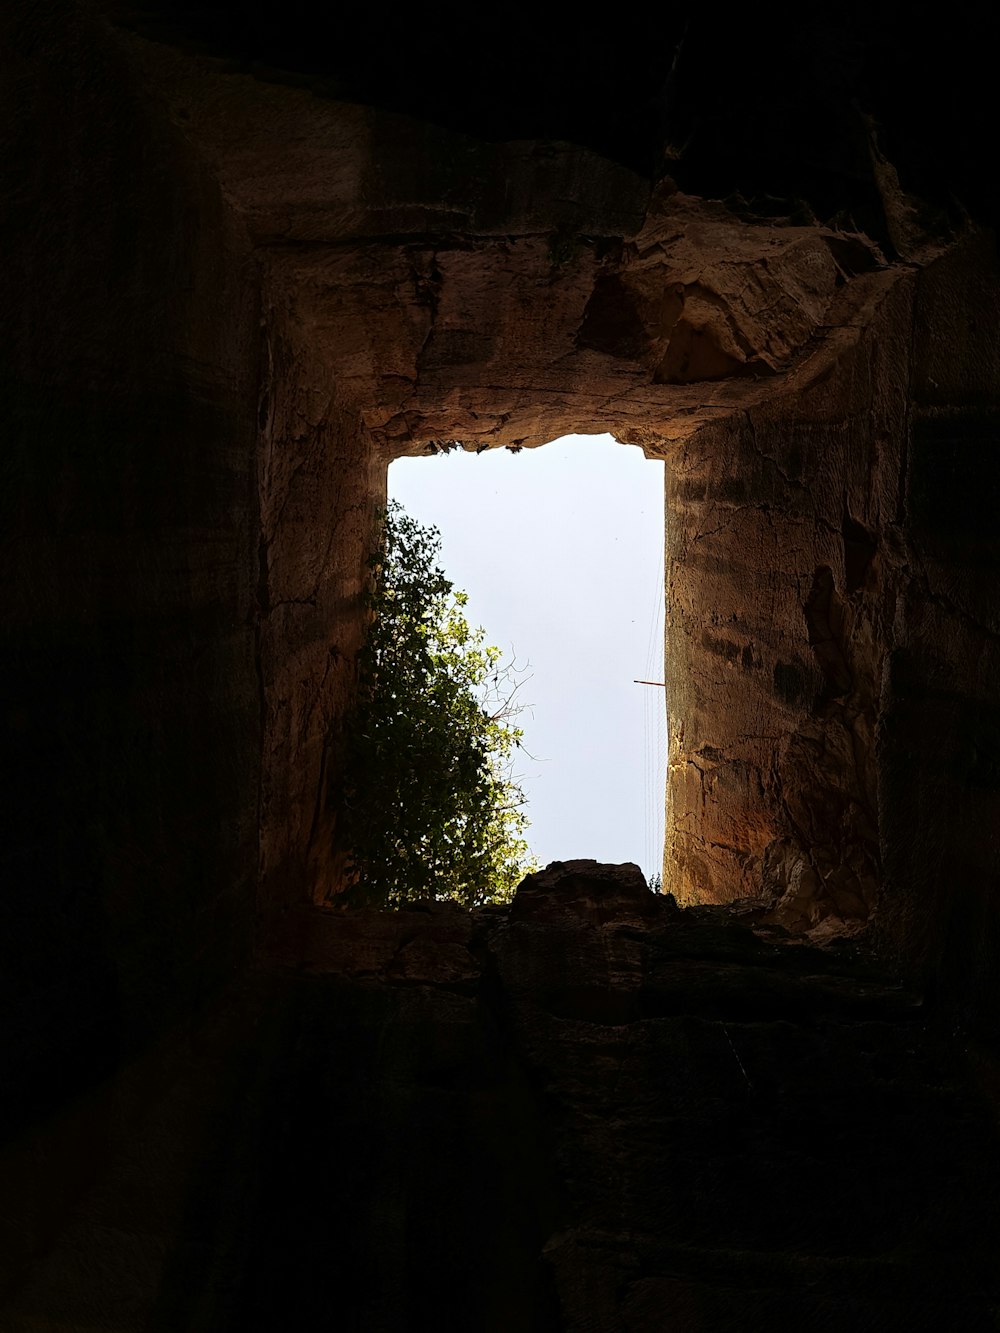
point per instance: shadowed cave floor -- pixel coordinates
(592, 1111)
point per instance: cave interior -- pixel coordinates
(252, 254)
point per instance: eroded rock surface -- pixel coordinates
(816, 549)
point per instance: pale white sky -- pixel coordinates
(561, 552)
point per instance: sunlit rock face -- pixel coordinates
(785, 548)
(812, 544)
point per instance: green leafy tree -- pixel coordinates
(430, 807)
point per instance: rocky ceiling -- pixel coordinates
(773, 107)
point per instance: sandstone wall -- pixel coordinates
(831, 640)
(321, 482)
(784, 538)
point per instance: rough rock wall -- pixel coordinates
(128, 357)
(507, 293)
(783, 538)
(316, 481)
(831, 649)
(321, 481)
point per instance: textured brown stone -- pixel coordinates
(782, 522)
(795, 540)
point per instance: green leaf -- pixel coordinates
(428, 806)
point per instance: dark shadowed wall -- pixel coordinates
(130, 713)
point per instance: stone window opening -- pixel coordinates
(575, 527)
